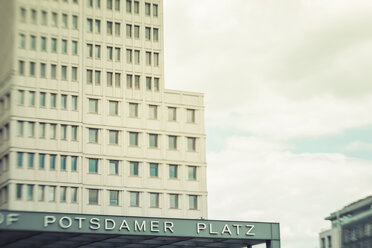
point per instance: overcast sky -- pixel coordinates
(288, 96)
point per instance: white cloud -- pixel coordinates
(297, 190)
(358, 146)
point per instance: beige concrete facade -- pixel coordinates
(86, 125)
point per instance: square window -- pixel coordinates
(133, 168)
(63, 132)
(133, 138)
(19, 191)
(53, 100)
(134, 199)
(154, 200)
(30, 160)
(193, 202)
(32, 68)
(109, 4)
(153, 112)
(64, 72)
(43, 44)
(64, 20)
(109, 53)
(62, 194)
(156, 84)
(97, 77)
(148, 33)
(117, 54)
(172, 114)
(191, 144)
(20, 128)
(41, 193)
(97, 51)
(154, 170)
(129, 81)
(54, 19)
(148, 58)
(93, 165)
(93, 196)
(53, 71)
(73, 163)
(173, 171)
(147, 9)
(97, 26)
(192, 172)
(113, 137)
(41, 161)
(52, 193)
(21, 67)
(109, 79)
(74, 194)
(74, 133)
(89, 76)
(63, 102)
(117, 79)
(136, 7)
(114, 167)
(90, 25)
(90, 50)
(114, 197)
(52, 162)
(93, 106)
(172, 142)
(30, 192)
(117, 5)
(19, 159)
(33, 42)
(137, 57)
(129, 31)
(113, 107)
(155, 10)
(136, 31)
(117, 29)
(53, 130)
(74, 73)
(42, 130)
(109, 28)
(63, 163)
(31, 129)
(173, 201)
(148, 83)
(133, 109)
(190, 115)
(93, 135)
(129, 6)
(74, 47)
(137, 79)
(74, 22)
(153, 140)
(42, 70)
(129, 56)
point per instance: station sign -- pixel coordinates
(128, 225)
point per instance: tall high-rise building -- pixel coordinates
(86, 125)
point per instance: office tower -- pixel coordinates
(86, 125)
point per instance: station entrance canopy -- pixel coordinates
(45, 229)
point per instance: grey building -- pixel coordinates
(351, 226)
